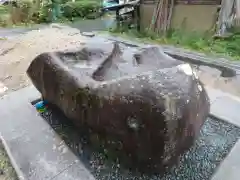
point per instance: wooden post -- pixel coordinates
(138, 18)
(118, 18)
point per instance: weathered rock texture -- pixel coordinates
(151, 103)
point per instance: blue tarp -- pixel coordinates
(109, 3)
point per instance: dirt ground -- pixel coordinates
(17, 53)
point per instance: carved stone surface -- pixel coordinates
(151, 104)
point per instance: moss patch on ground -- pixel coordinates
(6, 170)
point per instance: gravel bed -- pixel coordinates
(200, 162)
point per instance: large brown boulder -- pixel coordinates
(152, 104)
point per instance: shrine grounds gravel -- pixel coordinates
(200, 162)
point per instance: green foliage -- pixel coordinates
(80, 9)
(3, 15)
(26, 10)
(203, 42)
(25, 5)
(206, 43)
(44, 13)
(3, 9)
(5, 165)
(30, 12)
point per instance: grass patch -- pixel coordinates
(6, 170)
(202, 42)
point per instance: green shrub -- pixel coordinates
(3, 9)
(80, 9)
(30, 11)
(3, 15)
(27, 9)
(203, 42)
(44, 13)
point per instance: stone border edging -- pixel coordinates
(224, 106)
(228, 169)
